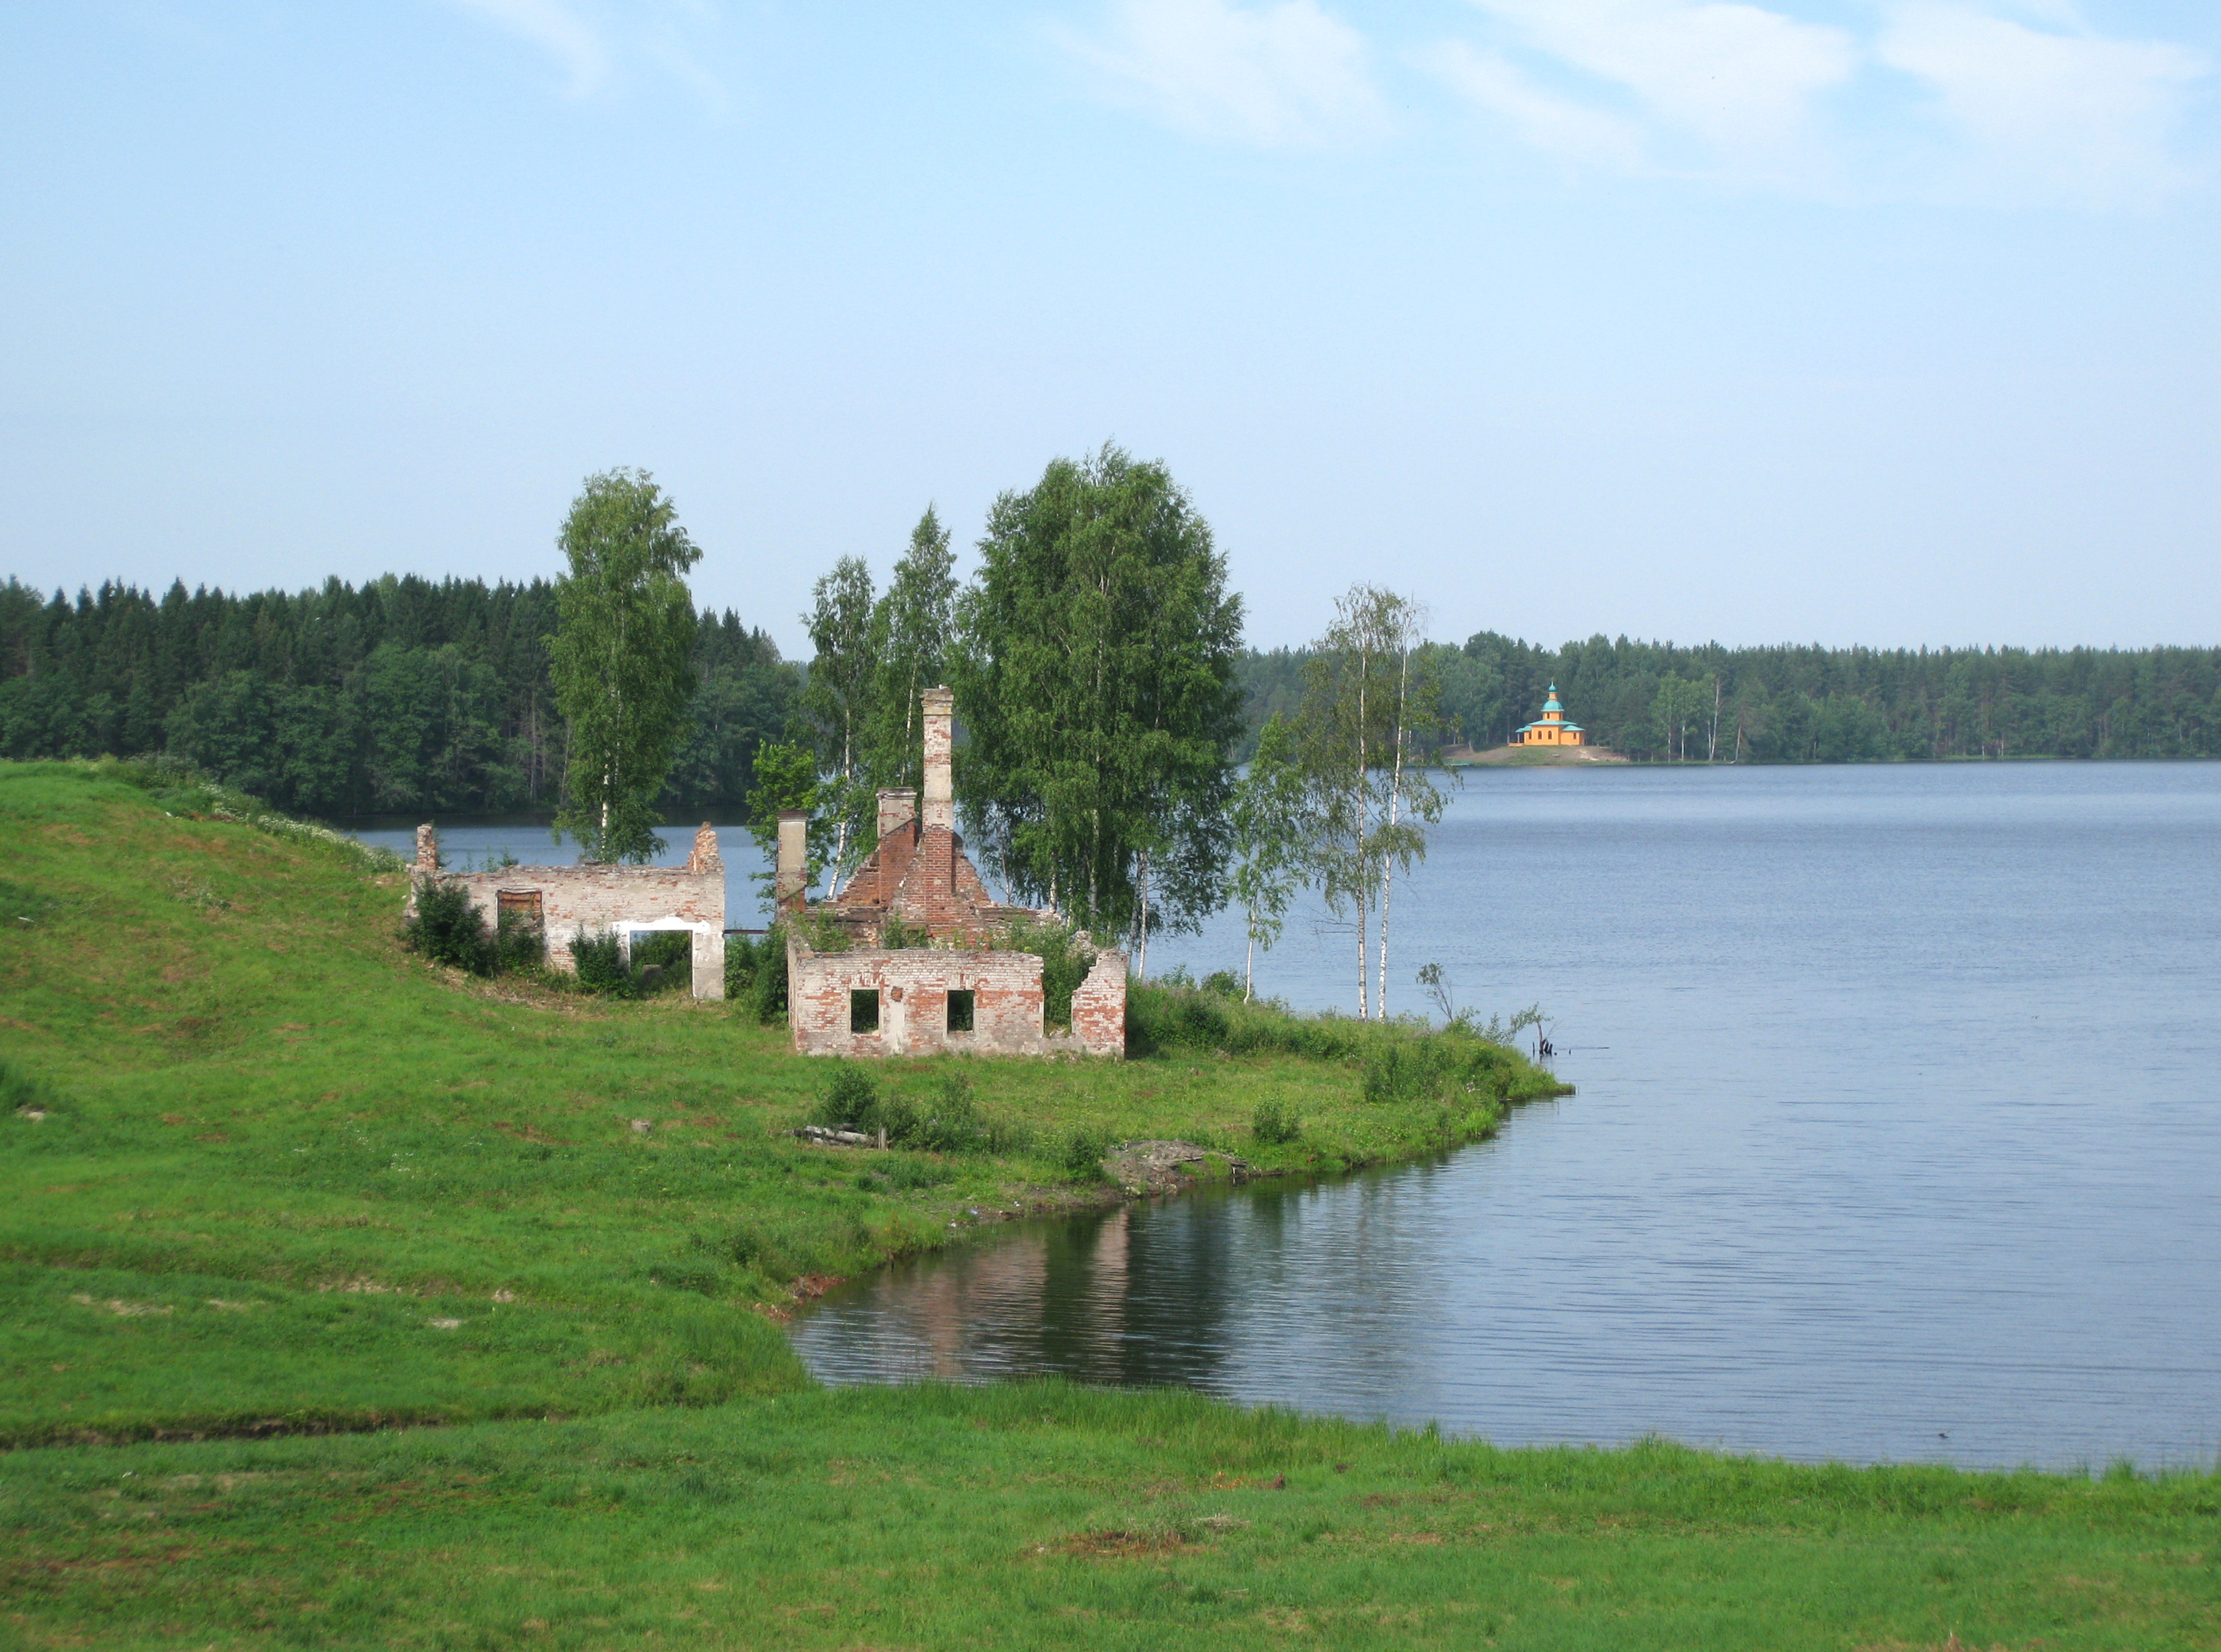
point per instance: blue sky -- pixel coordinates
(1877, 320)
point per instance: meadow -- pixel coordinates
(354, 1302)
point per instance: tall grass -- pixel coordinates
(1397, 1060)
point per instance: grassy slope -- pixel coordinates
(283, 1147)
(285, 1154)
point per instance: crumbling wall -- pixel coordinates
(622, 899)
(1098, 1007)
(913, 984)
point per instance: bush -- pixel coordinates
(1274, 1124)
(600, 960)
(1065, 963)
(1403, 1068)
(946, 1120)
(448, 929)
(851, 1100)
(755, 974)
(1081, 1153)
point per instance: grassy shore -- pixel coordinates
(264, 1174)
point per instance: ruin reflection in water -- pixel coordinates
(1896, 1134)
(1151, 1294)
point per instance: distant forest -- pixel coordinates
(1655, 701)
(398, 696)
(403, 696)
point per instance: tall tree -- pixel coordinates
(1362, 703)
(620, 659)
(912, 629)
(1271, 835)
(1095, 681)
(838, 694)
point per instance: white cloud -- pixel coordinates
(2056, 115)
(1541, 119)
(1739, 76)
(557, 29)
(600, 44)
(1282, 75)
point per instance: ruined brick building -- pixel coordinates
(561, 901)
(956, 992)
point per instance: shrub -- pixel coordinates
(1274, 1123)
(1081, 1153)
(1064, 962)
(946, 1120)
(600, 960)
(1221, 983)
(1403, 1066)
(895, 935)
(520, 946)
(448, 929)
(755, 974)
(851, 1100)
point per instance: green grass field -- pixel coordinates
(266, 1174)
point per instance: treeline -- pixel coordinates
(1658, 702)
(398, 696)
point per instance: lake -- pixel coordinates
(1897, 1137)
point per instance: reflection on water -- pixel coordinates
(1897, 1133)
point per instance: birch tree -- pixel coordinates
(837, 696)
(621, 660)
(1363, 703)
(1094, 680)
(1272, 838)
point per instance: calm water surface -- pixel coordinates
(1897, 1137)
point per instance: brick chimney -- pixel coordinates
(790, 881)
(427, 851)
(897, 807)
(940, 804)
(705, 857)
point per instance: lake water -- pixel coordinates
(1897, 1137)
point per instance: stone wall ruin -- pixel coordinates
(870, 999)
(564, 900)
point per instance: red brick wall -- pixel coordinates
(1098, 1006)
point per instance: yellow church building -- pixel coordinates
(1553, 729)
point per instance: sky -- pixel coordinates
(1881, 321)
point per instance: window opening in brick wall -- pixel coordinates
(961, 1007)
(513, 906)
(864, 1010)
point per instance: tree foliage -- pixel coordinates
(1804, 705)
(1368, 700)
(912, 627)
(1271, 816)
(838, 697)
(787, 778)
(402, 694)
(1095, 680)
(620, 660)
